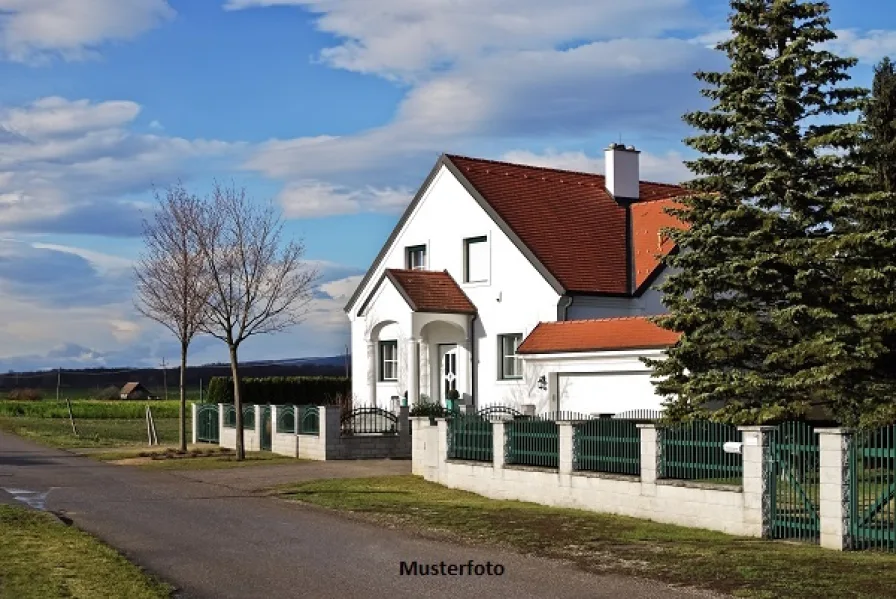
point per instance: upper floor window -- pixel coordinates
(416, 257)
(388, 360)
(476, 260)
(510, 364)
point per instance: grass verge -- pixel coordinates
(96, 432)
(602, 543)
(91, 408)
(210, 460)
(44, 559)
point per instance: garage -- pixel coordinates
(606, 392)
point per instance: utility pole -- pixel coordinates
(165, 378)
(58, 381)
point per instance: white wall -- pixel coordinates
(444, 217)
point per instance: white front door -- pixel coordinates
(448, 370)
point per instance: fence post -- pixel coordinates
(498, 445)
(442, 451)
(565, 448)
(833, 492)
(651, 454)
(330, 430)
(527, 409)
(194, 411)
(757, 462)
(220, 425)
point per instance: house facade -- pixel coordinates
(515, 284)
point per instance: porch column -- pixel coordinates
(464, 371)
(413, 371)
(371, 372)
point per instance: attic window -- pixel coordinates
(476, 260)
(415, 257)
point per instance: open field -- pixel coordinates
(42, 558)
(92, 432)
(744, 567)
(89, 408)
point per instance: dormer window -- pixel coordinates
(416, 257)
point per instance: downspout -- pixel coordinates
(563, 309)
(473, 367)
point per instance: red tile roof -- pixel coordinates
(569, 220)
(431, 291)
(606, 334)
(649, 245)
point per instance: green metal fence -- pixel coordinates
(286, 419)
(248, 417)
(229, 416)
(470, 438)
(872, 488)
(309, 420)
(792, 483)
(532, 442)
(695, 451)
(207, 423)
(607, 445)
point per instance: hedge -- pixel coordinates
(281, 390)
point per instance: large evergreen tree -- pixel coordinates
(761, 308)
(864, 244)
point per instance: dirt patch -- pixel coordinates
(131, 461)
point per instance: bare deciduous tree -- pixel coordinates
(171, 276)
(259, 283)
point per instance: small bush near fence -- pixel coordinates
(695, 451)
(470, 438)
(607, 445)
(282, 390)
(532, 442)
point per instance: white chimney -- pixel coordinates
(622, 172)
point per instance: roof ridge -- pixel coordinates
(606, 319)
(562, 170)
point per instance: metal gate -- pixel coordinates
(265, 428)
(873, 489)
(207, 423)
(793, 482)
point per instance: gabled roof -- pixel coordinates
(605, 334)
(129, 387)
(430, 291)
(566, 223)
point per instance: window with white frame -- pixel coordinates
(476, 260)
(388, 360)
(510, 364)
(416, 257)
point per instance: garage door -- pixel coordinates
(607, 393)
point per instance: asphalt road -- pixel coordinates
(218, 541)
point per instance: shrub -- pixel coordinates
(281, 390)
(25, 395)
(108, 393)
(433, 410)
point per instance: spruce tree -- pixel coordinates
(762, 311)
(864, 244)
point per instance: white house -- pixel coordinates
(516, 284)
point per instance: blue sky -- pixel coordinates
(334, 109)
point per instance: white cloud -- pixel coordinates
(309, 199)
(663, 168)
(65, 163)
(867, 46)
(105, 263)
(342, 289)
(406, 38)
(34, 30)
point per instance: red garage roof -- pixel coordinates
(606, 334)
(431, 291)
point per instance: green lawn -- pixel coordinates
(43, 559)
(89, 408)
(93, 432)
(610, 544)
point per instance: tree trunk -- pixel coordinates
(183, 397)
(237, 404)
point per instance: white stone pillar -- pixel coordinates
(565, 447)
(757, 496)
(413, 371)
(651, 453)
(371, 372)
(498, 445)
(833, 492)
(259, 426)
(195, 427)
